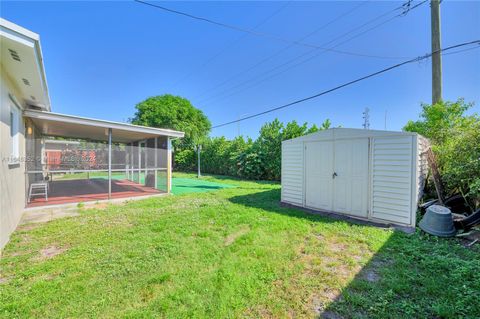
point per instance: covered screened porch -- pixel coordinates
(72, 159)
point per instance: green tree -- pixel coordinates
(455, 139)
(174, 112)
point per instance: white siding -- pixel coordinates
(392, 160)
(396, 173)
(292, 173)
(422, 165)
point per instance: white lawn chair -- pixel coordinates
(39, 188)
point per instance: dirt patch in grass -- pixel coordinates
(230, 239)
(50, 252)
(371, 273)
(3, 280)
(337, 247)
(259, 312)
(27, 227)
(18, 253)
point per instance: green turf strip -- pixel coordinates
(191, 185)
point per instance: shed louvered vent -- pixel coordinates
(14, 55)
(26, 82)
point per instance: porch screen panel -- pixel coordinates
(79, 168)
(161, 151)
(75, 170)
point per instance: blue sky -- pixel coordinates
(102, 58)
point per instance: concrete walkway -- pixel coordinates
(47, 213)
(43, 215)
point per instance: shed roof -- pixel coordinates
(344, 133)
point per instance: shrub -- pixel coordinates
(259, 159)
(184, 160)
(455, 138)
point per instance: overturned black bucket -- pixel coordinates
(438, 221)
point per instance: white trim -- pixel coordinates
(41, 70)
(18, 29)
(414, 178)
(64, 142)
(57, 117)
(15, 116)
(26, 37)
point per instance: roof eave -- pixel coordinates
(28, 35)
(50, 116)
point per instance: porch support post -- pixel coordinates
(169, 165)
(132, 162)
(156, 162)
(109, 163)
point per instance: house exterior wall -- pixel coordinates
(12, 176)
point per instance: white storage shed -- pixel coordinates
(365, 174)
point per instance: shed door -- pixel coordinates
(347, 191)
(350, 184)
(318, 175)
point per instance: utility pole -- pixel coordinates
(436, 55)
(366, 118)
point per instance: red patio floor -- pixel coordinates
(83, 190)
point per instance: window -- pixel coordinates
(14, 133)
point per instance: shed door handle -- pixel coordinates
(334, 174)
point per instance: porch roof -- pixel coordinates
(55, 124)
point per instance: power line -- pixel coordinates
(311, 57)
(229, 79)
(232, 43)
(417, 59)
(268, 77)
(459, 51)
(252, 32)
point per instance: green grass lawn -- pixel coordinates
(234, 252)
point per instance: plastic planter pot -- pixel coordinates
(438, 221)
